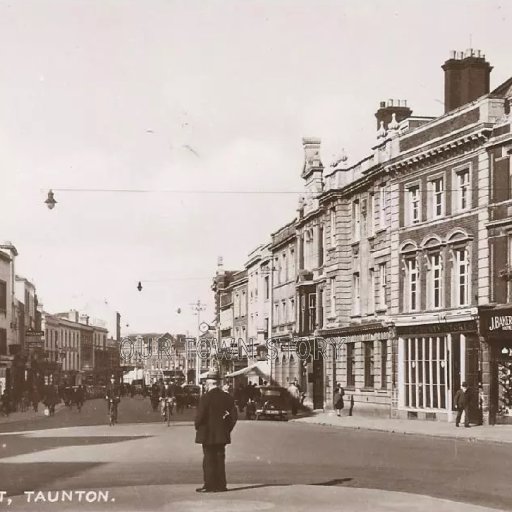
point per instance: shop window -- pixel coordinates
(368, 365)
(426, 372)
(384, 364)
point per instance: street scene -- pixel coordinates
(255, 255)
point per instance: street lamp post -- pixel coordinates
(197, 307)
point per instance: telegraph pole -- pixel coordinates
(197, 307)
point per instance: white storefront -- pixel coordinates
(433, 360)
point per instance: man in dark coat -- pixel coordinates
(215, 419)
(462, 404)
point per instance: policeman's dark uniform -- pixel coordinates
(215, 419)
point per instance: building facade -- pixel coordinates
(496, 318)
(8, 319)
(285, 366)
(403, 261)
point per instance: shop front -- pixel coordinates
(433, 361)
(496, 329)
(286, 365)
(360, 359)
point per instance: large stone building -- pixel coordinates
(403, 264)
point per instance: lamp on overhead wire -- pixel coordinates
(50, 200)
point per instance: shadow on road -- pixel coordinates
(337, 481)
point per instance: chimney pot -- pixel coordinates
(385, 113)
(465, 80)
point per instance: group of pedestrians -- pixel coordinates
(11, 402)
(50, 395)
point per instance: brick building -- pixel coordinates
(496, 319)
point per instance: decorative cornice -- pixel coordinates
(439, 149)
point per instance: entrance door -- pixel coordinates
(473, 378)
(318, 379)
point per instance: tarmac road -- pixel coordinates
(145, 465)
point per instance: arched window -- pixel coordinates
(434, 260)
(460, 250)
(411, 279)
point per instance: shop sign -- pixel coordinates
(437, 328)
(366, 336)
(37, 334)
(500, 323)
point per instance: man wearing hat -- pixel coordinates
(215, 419)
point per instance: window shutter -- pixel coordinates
(500, 259)
(501, 179)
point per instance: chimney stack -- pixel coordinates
(466, 78)
(390, 107)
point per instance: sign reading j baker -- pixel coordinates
(500, 323)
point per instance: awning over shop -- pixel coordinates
(261, 368)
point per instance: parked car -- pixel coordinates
(192, 394)
(272, 403)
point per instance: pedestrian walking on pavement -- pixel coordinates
(339, 393)
(462, 404)
(34, 398)
(294, 392)
(215, 419)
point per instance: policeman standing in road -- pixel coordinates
(215, 419)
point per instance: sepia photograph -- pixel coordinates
(255, 255)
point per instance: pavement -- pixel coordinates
(244, 498)
(488, 433)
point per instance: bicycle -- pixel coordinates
(112, 411)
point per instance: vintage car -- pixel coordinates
(272, 403)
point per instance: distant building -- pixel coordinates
(8, 320)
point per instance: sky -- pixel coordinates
(196, 109)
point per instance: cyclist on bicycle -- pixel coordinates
(167, 392)
(113, 393)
